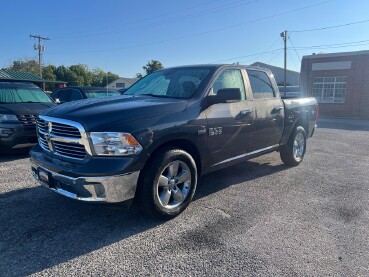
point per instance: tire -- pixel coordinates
(167, 185)
(293, 152)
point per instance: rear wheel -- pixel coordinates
(293, 152)
(167, 184)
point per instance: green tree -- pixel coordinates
(83, 73)
(139, 75)
(29, 65)
(102, 78)
(48, 74)
(152, 66)
(75, 75)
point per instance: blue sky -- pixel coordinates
(121, 36)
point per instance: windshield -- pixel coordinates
(23, 95)
(100, 93)
(173, 83)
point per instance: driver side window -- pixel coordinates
(229, 78)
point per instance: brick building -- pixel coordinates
(339, 81)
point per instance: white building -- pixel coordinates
(122, 82)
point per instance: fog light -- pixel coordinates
(5, 132)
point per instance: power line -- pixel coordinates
(330, 27)
(205, 32)
(276, 55)
(343, 44)
(245, 56)
(139, 20)
(172, 20)
(268, 48)
(294, 48)
(335, 45)
(293, 60)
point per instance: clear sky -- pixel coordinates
(121, 36)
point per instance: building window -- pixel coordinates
(329, 89)
(120, 85)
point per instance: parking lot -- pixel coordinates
(257, 218)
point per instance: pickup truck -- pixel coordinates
(154, 142)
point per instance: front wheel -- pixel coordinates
(293, 152)
(167, 184)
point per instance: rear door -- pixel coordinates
(269, 109)
(230, 125)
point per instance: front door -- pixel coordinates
(230, 125)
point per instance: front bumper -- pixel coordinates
(18, 137)
(106, 189)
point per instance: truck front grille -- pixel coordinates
(28, 121)
(62, 137)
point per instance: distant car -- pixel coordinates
(20, 104)
(291, 92)
(68, 94)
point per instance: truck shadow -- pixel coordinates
(40, 230)
(6, 157)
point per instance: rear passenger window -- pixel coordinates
(260, 84)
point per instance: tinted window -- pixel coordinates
(75, 95)
(229, 78)
(260, 84)
(174, 83)
(67, 95)
(97, 93)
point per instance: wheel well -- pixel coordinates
(302, 123)
(185, 145)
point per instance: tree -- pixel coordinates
(152, 66)
(139, 75)
(74, 75)
(48, 74)
(101, 78)
(29, 65)
(83, 73)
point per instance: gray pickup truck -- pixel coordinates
(169, 128)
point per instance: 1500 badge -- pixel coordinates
(215, 131)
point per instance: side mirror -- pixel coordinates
(225, 95)
(57, 101)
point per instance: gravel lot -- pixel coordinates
(257, 218)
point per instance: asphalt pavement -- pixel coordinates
(258, 218)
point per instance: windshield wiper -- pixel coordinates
(154, 95)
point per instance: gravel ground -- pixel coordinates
(257, 218)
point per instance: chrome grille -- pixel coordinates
(62, 137)
(42, 125)
(65, 130)
(28, 121)
(43, 143)
(72, 150)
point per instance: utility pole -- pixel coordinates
(40, 48)
(284, 36)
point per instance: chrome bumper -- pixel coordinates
(107, 189)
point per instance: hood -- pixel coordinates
(98, 114)
(24, 108)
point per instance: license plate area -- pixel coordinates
(43, 176)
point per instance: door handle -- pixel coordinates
(277, 109)
(246, 112)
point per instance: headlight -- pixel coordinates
(8, 118)
(114, 144)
